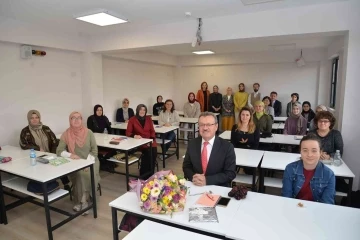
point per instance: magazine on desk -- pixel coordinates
(203, 214)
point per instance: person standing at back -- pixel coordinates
(227, 117)
(240, 100)
(203, 97)
(294, 100)
(215, 102)
(254, 96)
(276, 104)
(209, 160)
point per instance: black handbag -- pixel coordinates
(36, 187)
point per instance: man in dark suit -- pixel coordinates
(209, 160)
(275, 104)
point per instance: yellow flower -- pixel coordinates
(166, 201)
(151, 183)
(143, 197)
(146, 190)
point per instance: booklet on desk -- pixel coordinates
(203, 214)
(209, 200)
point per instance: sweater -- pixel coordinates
(169, 117)
(27, 141)
(331, 142)
(215, 100)
(240, 100)
(94, 127)
(192, 111)
(253, 139)
(264, 124)
(134, 128)
(228, 104)
(291, 126)
(157, 108)
(120, 115)
(309, 116)
(201, 99)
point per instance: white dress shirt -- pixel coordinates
(208, 147)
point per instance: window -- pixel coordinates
(334, 78)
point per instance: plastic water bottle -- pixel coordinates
(337, 158)
(105, 134)
(32, 157)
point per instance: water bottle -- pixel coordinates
(337, 158)
(105, 134)
(32, 157)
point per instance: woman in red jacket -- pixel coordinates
(202, 97)
(141, 126)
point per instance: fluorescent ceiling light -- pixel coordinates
(101, 19)
(251, 2)
(203, 52)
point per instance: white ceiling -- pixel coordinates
(244, 45)
(58, 14)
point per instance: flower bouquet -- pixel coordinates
(163, 193)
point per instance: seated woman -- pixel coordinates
(158, 106)
(202, 96)
(78, 142)
(98, 122)
(318, 109)
(40, 138)
(141, 126)
(294, 99)
(191, 110)
(228, 107)
(125, 113)
(262, 120)
(268, 108)
(307, 112)
(295, 124)
(308, 178)
(331, 139)
(169, 117)
(244, 134)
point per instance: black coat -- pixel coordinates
(120, 114)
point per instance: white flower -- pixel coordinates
(169, 197)
(182, 181)
(155, 192)
(172, 177)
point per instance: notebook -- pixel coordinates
(209, 200)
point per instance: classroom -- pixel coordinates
(230, 96)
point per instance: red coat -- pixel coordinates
(134, 128)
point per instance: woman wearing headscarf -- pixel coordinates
(141, 126)
(203, 97)
(158, 106)
(295, 124)
(78, 142)
(318, 109)
(191, 110)
(98, 122)
(294, 99)
(125, 113)
(40, 138)
(307, 112)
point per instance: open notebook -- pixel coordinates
(209, 200)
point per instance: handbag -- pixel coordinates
(36, 187)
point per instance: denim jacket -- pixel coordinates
(322, 184)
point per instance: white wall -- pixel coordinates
(140, 82)
(284, 78)
(50, 84)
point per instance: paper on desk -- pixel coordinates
(90, 157)
(206, 201)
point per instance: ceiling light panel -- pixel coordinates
(102, 19)
(252, 2)
(203, 52)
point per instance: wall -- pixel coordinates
(140, 82)
(50, 84)
(284, 78)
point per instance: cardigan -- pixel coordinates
(27, 141)
(120, 115)
(331, 142)
(291, 126)
(253, 139)
(192, 111)
(215, 100)
(201, 99)
(134, 128)
(171, 117)
(228, 104)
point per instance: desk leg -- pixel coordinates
(47, 211)
(127, 169)
(253, 180)
(349, 192)
(163, 149)
(3, 217)
(177, 145)
(261, 185)
(93, 192)
(152, 169)
(115, 223)
(194, 131)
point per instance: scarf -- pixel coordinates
(139, 118)
(259, 115)
(37, 132)
(74, 135)
(100, 120)
(297, 116)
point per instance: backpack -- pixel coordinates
(36, 187)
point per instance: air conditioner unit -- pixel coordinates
(25, 52)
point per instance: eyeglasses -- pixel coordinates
(206, 125)
(76, 118)
(323, 121)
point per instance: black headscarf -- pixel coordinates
(100, 119)
(141, 119)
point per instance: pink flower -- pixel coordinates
(147, 205)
